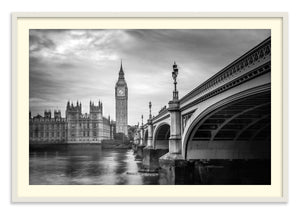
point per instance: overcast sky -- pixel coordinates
(83, 65)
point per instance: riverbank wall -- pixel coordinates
(105, 144)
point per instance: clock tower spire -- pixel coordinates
(121, 96)
(121, 72)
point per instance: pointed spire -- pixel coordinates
(121, 72)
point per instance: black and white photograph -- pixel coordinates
(150, 107)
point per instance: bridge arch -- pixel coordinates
(237, 127)
(161, 136)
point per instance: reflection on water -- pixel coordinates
(85, 165)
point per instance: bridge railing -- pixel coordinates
(255, 55)
(162, 112)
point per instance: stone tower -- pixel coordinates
(73, 113)
(121, 95)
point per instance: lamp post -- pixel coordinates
(138, 133)
(150, 128)
(150, 105)
(142, 132)
(172, 165)
(174, 75)
(174, 109)
(142, 120)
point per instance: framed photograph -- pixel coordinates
(149, 107)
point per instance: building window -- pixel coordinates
(95, 134)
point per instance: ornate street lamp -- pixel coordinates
(142, 131)
(150, 105)
(174, 75)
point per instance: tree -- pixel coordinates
(121, 137)
(131, 132)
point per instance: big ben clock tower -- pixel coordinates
(121, 94)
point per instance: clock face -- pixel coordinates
(121, 92)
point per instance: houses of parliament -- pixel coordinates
(77, 127)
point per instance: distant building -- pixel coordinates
(75, 128)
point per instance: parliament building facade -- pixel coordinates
(75, 128)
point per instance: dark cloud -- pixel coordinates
(84, 64)
(193, 45)
(37, 43)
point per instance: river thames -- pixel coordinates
(86, 165)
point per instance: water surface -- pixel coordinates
(85, 165)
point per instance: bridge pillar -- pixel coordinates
(140, 147)
(150, 134)
(150, 159)
(175, 128)
(174, 169)
(150, 154)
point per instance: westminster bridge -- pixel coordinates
(218, 133)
